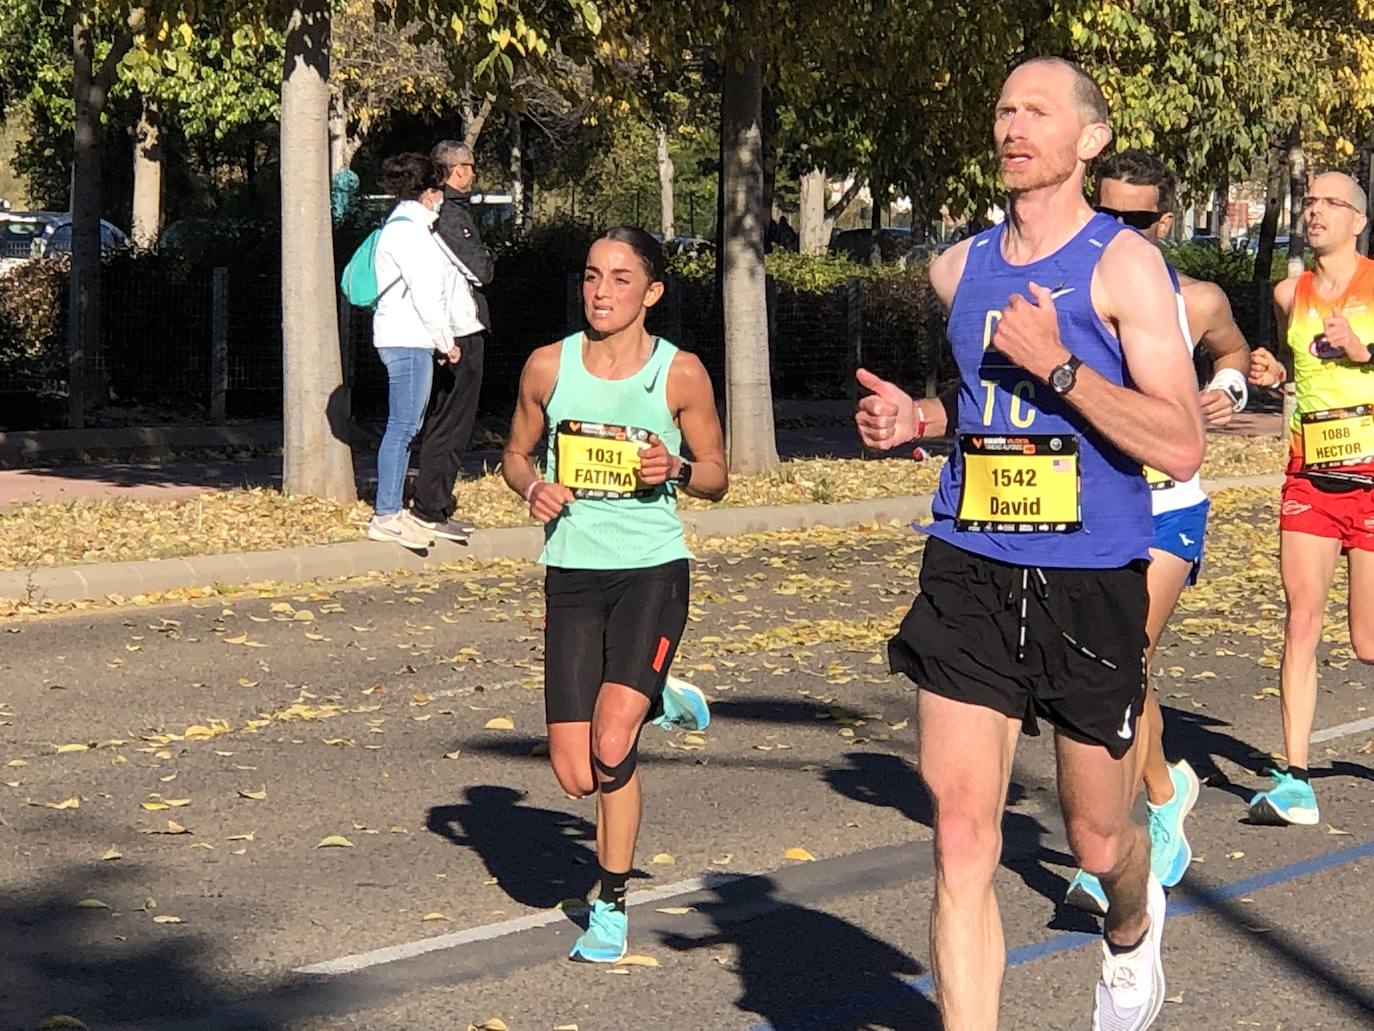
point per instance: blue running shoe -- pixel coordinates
(1289, 801)
(1085, 892)
(1170, 852)
(684, 706)
(604, 939)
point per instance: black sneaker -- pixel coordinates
(450, 529)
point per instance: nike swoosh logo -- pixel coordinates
(1185, 539)
(1056, 294)
(649, 388)
(1125, 732)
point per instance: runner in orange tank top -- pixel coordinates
(1327, 318)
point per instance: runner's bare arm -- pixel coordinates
(1210, 318)
(545, 500)
(1159, 422)
(693, 402)
(946, 271)
(1265, 369)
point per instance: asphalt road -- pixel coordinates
(225, 741)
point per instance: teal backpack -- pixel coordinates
(359, 279)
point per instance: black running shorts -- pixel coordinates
(617, 626)
(1067, 645)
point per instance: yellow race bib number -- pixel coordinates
(1338, 436)
(600, 460)
(1157, 480)
(1027, 484)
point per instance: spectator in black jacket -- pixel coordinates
(453, 399)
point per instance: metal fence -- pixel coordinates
(207, 346)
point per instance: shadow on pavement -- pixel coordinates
(801, 968)
(538, 856)
(1199, 739)
(879, 779)
(105, 966)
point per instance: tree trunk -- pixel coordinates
(811, 232)
(1264, 253)
(748, 390)
(527, 176)
(665, 183)
(875, 225)
(147, 208)
(89, 90)
(1366, 180)
(1297, 187)
(339, 157)
(517, 171)
(473, 121)
(1223, 202)
(316, 458)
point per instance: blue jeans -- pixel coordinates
(410, 371)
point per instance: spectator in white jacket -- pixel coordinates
(425, 302)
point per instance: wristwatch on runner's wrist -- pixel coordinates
(1063, 377)
(684, 473)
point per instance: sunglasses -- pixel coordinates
(1308, 203)
(1141, 220)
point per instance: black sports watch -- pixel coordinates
(1063, 377)
(684, 473)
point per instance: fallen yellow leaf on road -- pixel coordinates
(61, 1022)
(113, 853)
(70, 803)
(92, 904)
(663, 859)
(256, 796)
(433, 916)
(637, 961)
(64, 749)
(335, 841)
(16, 763)
(500, 723)
(491, 1024)
(241, 837)
(798, 853)
(676, 910)
(167, 918)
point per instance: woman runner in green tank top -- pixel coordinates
(616, 406)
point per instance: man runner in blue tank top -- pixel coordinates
(1033, 599)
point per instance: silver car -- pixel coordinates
(45, 234)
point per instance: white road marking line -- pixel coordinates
(1354, 727)
(486, 932)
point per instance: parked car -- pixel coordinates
(685, 245)
(46, 234)
(895, 244)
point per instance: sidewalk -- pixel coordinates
(178, 478)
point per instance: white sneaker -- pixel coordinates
(1131, 992)
(400, 529)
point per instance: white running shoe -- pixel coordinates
(1131, 992)
(400, 529)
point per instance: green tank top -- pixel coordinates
(614, 533)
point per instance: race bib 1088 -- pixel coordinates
(1026, 484)
(1338, 436)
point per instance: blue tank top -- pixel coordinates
(1005, 412)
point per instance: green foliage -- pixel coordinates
(1223, 264)
(804, 273)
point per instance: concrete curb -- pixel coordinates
(126, 442)
(352, 558)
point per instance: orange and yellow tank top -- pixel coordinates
(1333, 427)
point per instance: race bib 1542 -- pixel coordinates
(1026, 484)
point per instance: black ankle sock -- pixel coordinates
(613, 888)
(1117, 950)
(1298, 773)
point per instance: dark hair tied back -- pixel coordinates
(646, 248)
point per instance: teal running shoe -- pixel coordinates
(604, 939)
(684, 706)
(1085, 892)
(1289, 801)
(1170, 852)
